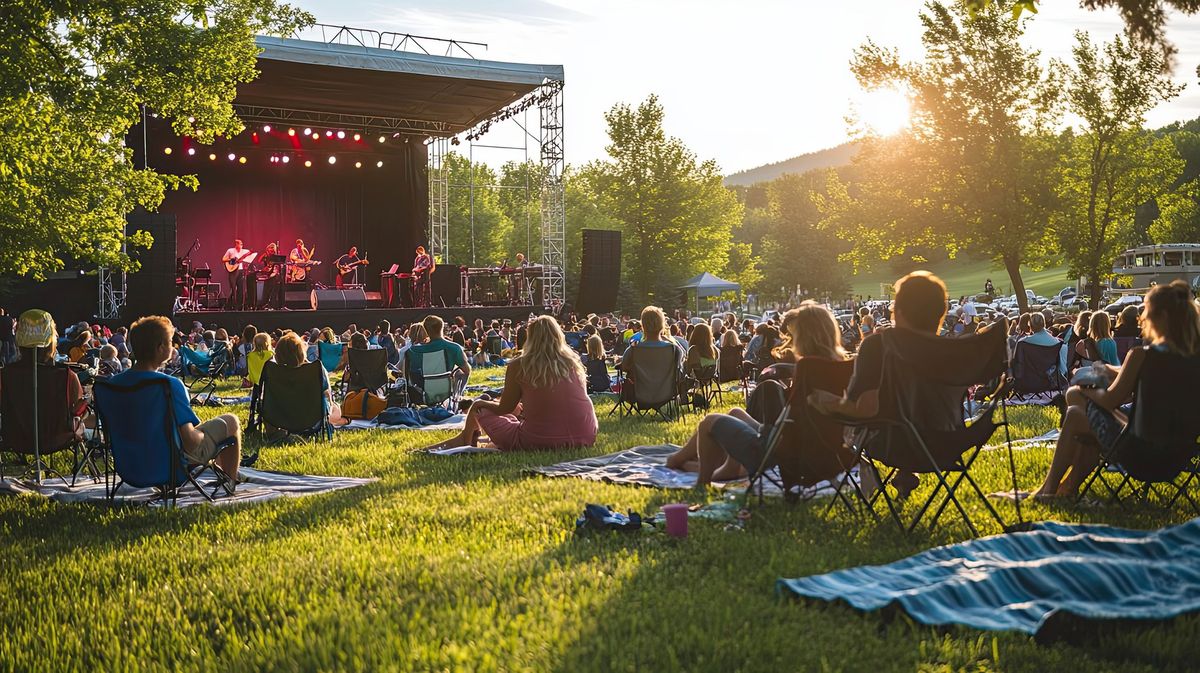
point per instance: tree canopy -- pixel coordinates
(75, 77)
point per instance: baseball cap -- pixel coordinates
(35, 329)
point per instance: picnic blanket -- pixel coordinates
(259, 486)
(646, 466)
(455, 422)
(1047, 582)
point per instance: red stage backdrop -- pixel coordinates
(382, 210)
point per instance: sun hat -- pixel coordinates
(35, 329)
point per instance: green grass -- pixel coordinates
(965, 276)
(468, 564)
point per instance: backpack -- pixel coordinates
(362, 404)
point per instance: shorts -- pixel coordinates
(216, 434)
(740, 440)
(1105, 425)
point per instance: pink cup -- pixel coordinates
(677, 519)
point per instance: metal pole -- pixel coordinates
(471, 165)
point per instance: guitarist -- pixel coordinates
(346, 265)
(235, 264)
(298, 259)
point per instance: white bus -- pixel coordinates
(1146, 266)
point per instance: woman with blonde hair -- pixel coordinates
(724, 444)
(1095, 417)
(544, 404)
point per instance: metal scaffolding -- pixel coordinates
(554, 212)
(112, 293)
(439, 201)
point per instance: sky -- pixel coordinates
(744, 83)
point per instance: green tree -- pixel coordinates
(676, 215)
(74, 77)
(480, 232)
(797, 254)
(1114, 166)
(977, 166)
(585, 210)
(519, 193)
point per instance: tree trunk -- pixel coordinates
(1013, 267)
(1093, 276)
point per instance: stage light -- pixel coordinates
(166, 150)
(357, 137)
(254, 137)
(191, 151)
(291, 132)
(358, 164)
(381, 139)
(232, 156)
(341, 135)
(286, 159)
(266, 128)
(241, 160)
(332, 159)
(316, 136)
(272, 159)
(307, 163)
(212, 157)
(308, 132)
(378, 164)
(328, 134)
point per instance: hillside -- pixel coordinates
(964, 276)
(834, 156)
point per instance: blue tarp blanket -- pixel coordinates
(1046, 582)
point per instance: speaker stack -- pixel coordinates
(599, 272)
(151, 289)
(445, 286)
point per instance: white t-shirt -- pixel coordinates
(233, 253)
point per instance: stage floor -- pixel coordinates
(340, 319)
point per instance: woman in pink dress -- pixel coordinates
(544, 404)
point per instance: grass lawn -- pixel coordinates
(468, 564)
(967, 276)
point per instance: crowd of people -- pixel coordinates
(552, 365)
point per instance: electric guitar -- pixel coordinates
(247, 257)
(344, 269)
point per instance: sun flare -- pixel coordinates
(884, 112)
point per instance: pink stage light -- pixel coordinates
(232, 156)
(341, 135)
(266, 128)
(286, 159)
(191, 151)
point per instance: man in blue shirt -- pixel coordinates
(1038, 335)
(456, 358)
(150, 342)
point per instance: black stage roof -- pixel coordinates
(440, 95)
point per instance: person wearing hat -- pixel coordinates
(37, 339)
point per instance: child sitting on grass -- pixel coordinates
(258, 357)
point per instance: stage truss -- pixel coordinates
(554, 211)
(439, 200)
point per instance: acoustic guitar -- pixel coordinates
(232, 265)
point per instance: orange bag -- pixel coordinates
(362, 404)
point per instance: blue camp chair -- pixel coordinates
(330, 355)
(137, 422)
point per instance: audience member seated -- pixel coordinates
(1100, 334)
(653, 335)
(701, 351)
(598, 380)
(80, 346)
(258, 356)
(1095, 417)
(150, 341)
(1037, 335)
(289, 352)
(37, 341)
(920, 305)
(725, 445)
(544, 404)
(1127, 323)
(110, 365)
(456, 359)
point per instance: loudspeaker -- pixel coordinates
(297, 295)
(599, 272)
(446, 286)
(335, 299)
(151, 289)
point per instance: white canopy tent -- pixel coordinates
(708, 285)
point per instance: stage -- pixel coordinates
(340, 319)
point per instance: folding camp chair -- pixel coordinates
(807, 447)
(38, 422)
(204, 386)
(1126, 344)
(330, 355)
(1035, 371)
(494, 346)
(366, 370)
(137, 422)
(920, 426)
(654, 385)
(434, 377)
(293, 400)
(1160, 443)
(729, 366)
